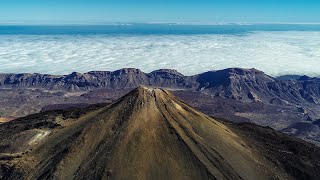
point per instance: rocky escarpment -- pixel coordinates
(251, 84)
(123, 78)
(234, 83)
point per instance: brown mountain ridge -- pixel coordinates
(148, 134)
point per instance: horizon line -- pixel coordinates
(93, 23)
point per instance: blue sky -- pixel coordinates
(202, 11)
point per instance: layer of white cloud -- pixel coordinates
(276, 53)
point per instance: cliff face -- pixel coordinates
(234, 83)
(123, 78)
(254, 85)
(148, 134)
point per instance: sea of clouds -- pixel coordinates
(276, 53)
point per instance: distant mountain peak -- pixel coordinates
(243, 71)
(169, 71)
(304, 78)
(127, 71)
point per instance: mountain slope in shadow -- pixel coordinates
(147, 134)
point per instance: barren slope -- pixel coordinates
(147, 134)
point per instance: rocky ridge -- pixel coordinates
(234, 83)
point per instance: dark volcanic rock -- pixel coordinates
(254, 85)
(234, 83)
(123, 78)
(288, 77)
(244, 84)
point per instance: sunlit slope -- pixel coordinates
(147, 134)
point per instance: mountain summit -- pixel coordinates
(147, 134)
